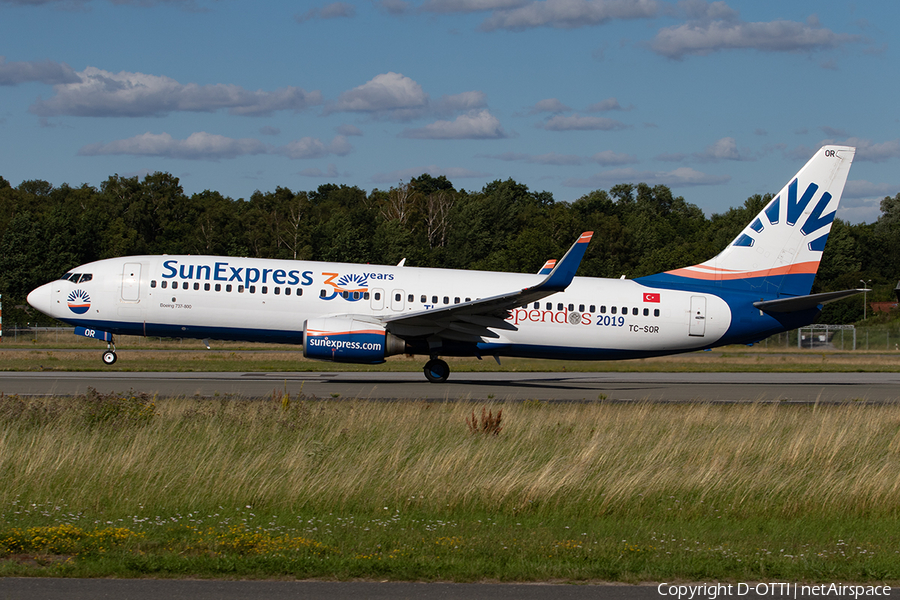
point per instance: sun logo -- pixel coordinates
(353, 283)
(79, 302)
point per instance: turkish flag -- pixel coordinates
(651, 297)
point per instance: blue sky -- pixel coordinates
(717, 100)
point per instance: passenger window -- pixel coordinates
(446, 299)
(572, 307)
(469, 300)
(377, 295)
(398, 297)
(240, 289)
(196, 286)
(624, 310)
(228, 287)
(655, 312)
(163, 284)
(434, 299)
(603, 310)
(646, 312)
(344, 295)
(153, 283)
(287, 291)
(581, 308)
(612, 310)
(593, 308)
(634, 311)
(205, 287)
(549, 306)
(537, 304)
(253, 289)
(411, 299)
(218, 287)
(265, 289)
(322, 293)
(277, 291)
(456, 300)
(559, 306)
(424, 298)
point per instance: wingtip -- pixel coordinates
(585, 237)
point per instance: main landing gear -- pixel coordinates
(109, 357)
(436, 370)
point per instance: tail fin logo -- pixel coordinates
(795, 208)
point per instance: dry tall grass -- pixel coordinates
(578, 459)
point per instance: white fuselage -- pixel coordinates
(270, 300)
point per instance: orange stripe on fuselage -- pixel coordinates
(804, 268)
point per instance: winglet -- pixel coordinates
(564, 271)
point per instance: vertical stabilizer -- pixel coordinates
(778, 253)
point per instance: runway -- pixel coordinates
(570, 387)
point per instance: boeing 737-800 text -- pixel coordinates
(757, 286)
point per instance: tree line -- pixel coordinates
(638, 230)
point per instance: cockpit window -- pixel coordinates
(78, 277)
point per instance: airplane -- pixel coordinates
(759, 285)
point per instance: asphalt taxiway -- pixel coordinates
(570, 387)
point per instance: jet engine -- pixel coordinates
(341, 339)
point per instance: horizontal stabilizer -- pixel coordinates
(798, 303)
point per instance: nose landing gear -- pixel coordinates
(109, 357)
(436, 370)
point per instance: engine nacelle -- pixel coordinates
(349, 340)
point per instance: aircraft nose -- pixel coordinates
(41, 299)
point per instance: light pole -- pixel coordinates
(865, 289)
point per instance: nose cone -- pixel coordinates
(41, 299)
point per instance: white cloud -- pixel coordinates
(724, 149)
(607, 105)
(717, 27)
(101, 93)
(609, 158)
(468, 6)
(569, 14)
(207, 146)
(198, 146)
(389, 95)
(395, 97)
(347, 129)
(581, 123)
(49, 72)
(475, 125)
(550, 158)
(335, 10)
(681, 177)
(550, 105)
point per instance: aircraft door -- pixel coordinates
(131, 282)
(397, 301)
(698, 316)
(377, 299)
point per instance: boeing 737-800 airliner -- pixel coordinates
(757, 286)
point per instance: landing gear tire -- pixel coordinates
(109, 357)
(436, 371)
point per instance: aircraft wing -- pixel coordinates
(473, 321)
